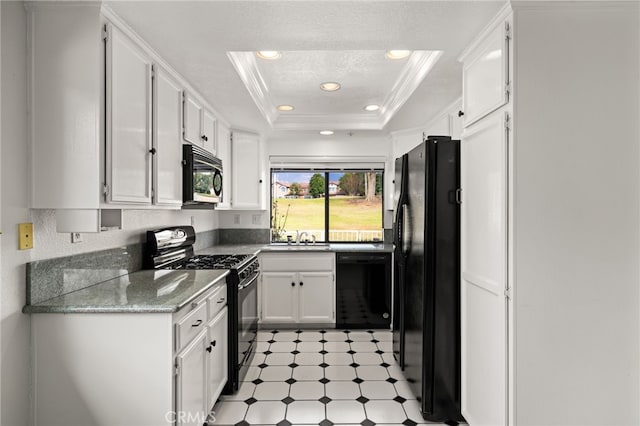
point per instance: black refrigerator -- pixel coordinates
(426, 331)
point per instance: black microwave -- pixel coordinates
(201, 177)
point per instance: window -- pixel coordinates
(329, 205)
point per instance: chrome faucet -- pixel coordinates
(299, 237)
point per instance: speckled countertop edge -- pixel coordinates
(59, 304)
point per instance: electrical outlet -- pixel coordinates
(76, 237)
(255, 219)
(25, 236)
(236, 219)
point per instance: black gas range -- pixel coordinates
(172, 248)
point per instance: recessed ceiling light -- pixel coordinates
(330, 86)
(326, 132)
(372, 107)
(398, 54)
(268, 54)
(286, 107)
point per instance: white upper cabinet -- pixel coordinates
(129, 118)
(167, 141)
(223, 152)
(192, 119)
(246, 171)
(209, 133)
(65, 106)
(486, 74)
(199, 124)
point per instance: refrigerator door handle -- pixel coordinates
(405, 231)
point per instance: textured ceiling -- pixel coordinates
(195, 36)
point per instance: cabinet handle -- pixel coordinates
(204, 138)
(293, 284)
(221, 300)
(209, 349)
(213, 343)
(152, 151)
(460, 113)
(260, 181)
(301, 283)
(197, 323)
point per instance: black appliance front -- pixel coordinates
(247, 326)
(431, 317)
(363, 290)
(201, 178)
(399, 259)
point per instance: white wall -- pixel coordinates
(446, 123)
(576, 208)
(14, 368)
(15, 181)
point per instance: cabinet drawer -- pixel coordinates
(297, 261)
(217, 301)
(190, 325)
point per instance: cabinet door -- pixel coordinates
(223, 142)
(316, 297)
(128, 143)
(217, 371)
(484, 271)
(191, 383)
(209, 131)
(485, 76)
(278, 291)
(167, 166)
(246, 173)
(192, 116)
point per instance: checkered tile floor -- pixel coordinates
(321, 377)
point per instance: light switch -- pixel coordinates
(25, 236)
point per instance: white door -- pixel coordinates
(209, 131)
(315, 297)
(191, 383)
(217, 370)
(278, 290)
(167, 168)
(192, 111)
(223, 151)
(484, 271)
(246, 182)
(128, 120)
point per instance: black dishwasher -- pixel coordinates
(363, 290)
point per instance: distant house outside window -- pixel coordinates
(330, 205)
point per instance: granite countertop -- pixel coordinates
(145, 291)
(284, 248)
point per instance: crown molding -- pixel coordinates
(411, 76)
(247, 68)
(416, 69)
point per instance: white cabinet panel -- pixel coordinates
(167, 140)
(128, 143)
(246, 171)
(483, 269)
(485, 77)
(209, 133)
(216, 354)
(192, 115)
(316, 297)
(279, 297)
(223, 142)
(191, 384)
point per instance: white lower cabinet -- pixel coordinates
(297, 288)
(144, 369)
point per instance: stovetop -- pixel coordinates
(218, 261)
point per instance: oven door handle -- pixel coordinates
(252, 281)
